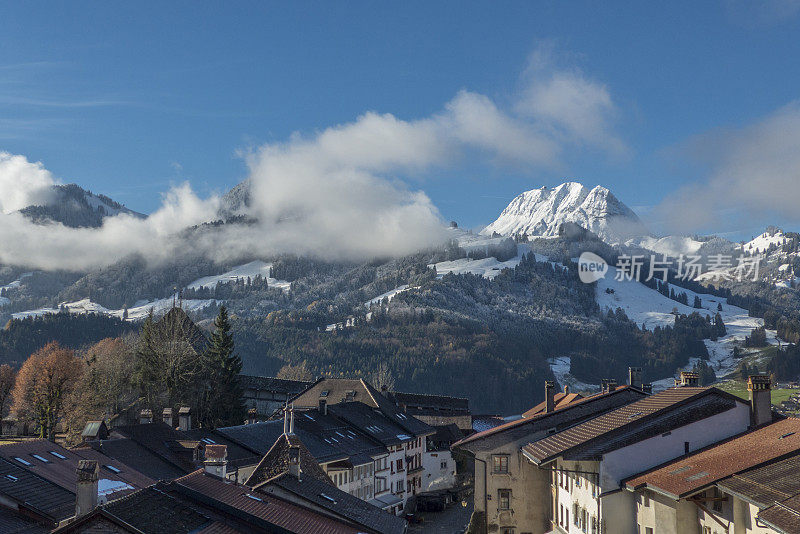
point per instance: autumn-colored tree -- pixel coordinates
(105, 389)
(295, 372)
(43, 384)
(7, 377)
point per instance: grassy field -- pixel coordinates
(739, 388)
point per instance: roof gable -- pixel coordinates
(276, 462)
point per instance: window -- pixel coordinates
(23, 462)
(504, 499)
(594, 525)
(575, 516)
(57, 455)
(443, 465)
(716, 503)
(500, 464)
(507, 530)
(648, 530)
(41, 458)
(646, 499)
(112, 468)
(561, 515)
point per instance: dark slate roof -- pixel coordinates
(238, 456)
(60, 465)
(433, 404)
(766, 485)
(559, 419)
(258, 509)
(11, 523)
(372, 422)
(269, 383)
(687, 475)
(36, 493)
(276, 462)
(161, 440)
(153, 511)
(448, 434)
(340, 503)
(631, 423)
(130, 453)
(783, 516)
(327, 438)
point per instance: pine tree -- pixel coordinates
(221, 402)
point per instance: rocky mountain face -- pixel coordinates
(76, 207)
(541, 212)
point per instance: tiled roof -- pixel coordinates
(276, 462)
(44, 497)
(268, 383)
(692, 473)
(130, 453)
(768, 484)
(11, 523)
(372, 422)
(433, 403)
(260, 508)
(160, 439)
(783, 516)
(560, 400)
(639, 420)
(151, 510)
(577, 410)
(59, 464)
(340, 503)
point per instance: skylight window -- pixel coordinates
(12, 478)
(57, 455)
(403, 436)
(112, 469)
(250, 496)
(20, 460)
(698, 476)
(401, 416)
(328, 498)
(324, 393)
(309, 416)
(786, 435)
(209, 441)
(41, 458)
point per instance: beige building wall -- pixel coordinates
(529, 509)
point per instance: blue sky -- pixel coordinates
(128, 99)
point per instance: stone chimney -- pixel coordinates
(294, 460)
(252, 416)
(690, 379)
(635, 377)
(549, 396)
(166, 416)
(184, 418)
(608, 385)
(323, 407)
(86, 490)
(216, 461)
(146, 416)
(760, 390)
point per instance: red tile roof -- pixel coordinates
(689, 474)
(270, 508)
(540, 415)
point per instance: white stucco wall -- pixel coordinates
(436, 477)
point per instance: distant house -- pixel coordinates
(267, 394)
(435, 410)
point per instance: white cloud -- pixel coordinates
(22, 183)
(755, 172)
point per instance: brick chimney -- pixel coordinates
(690, 379)
(760, 392)
(86, 489)
(635, 377)
(184, 418)
(549, 395)
(252, 416)
(323, 407)
(166, 416)
(146, 416)
(216, 461)
(294, 460)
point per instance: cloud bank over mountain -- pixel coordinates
(336, 193)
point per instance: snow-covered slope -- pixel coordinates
(672, 246)
(762, 243)
(541, 212)
(251, 270)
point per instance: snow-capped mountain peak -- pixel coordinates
(541, 212)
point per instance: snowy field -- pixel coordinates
(389, 295)
(242, 272)
(650, 308)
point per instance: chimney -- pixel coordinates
(607, 385)
(252, 416)
(146, 416)
(184, 419)
(549, 396)
(635, 377)
(216, 462)
(384, 388)
(566, 389)
(291, 421)
(166, 416)
(760, 390)
(323, 407)
(86, 490)
(285, 420)
(690, 379)
(294, 460)
(647, 388)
